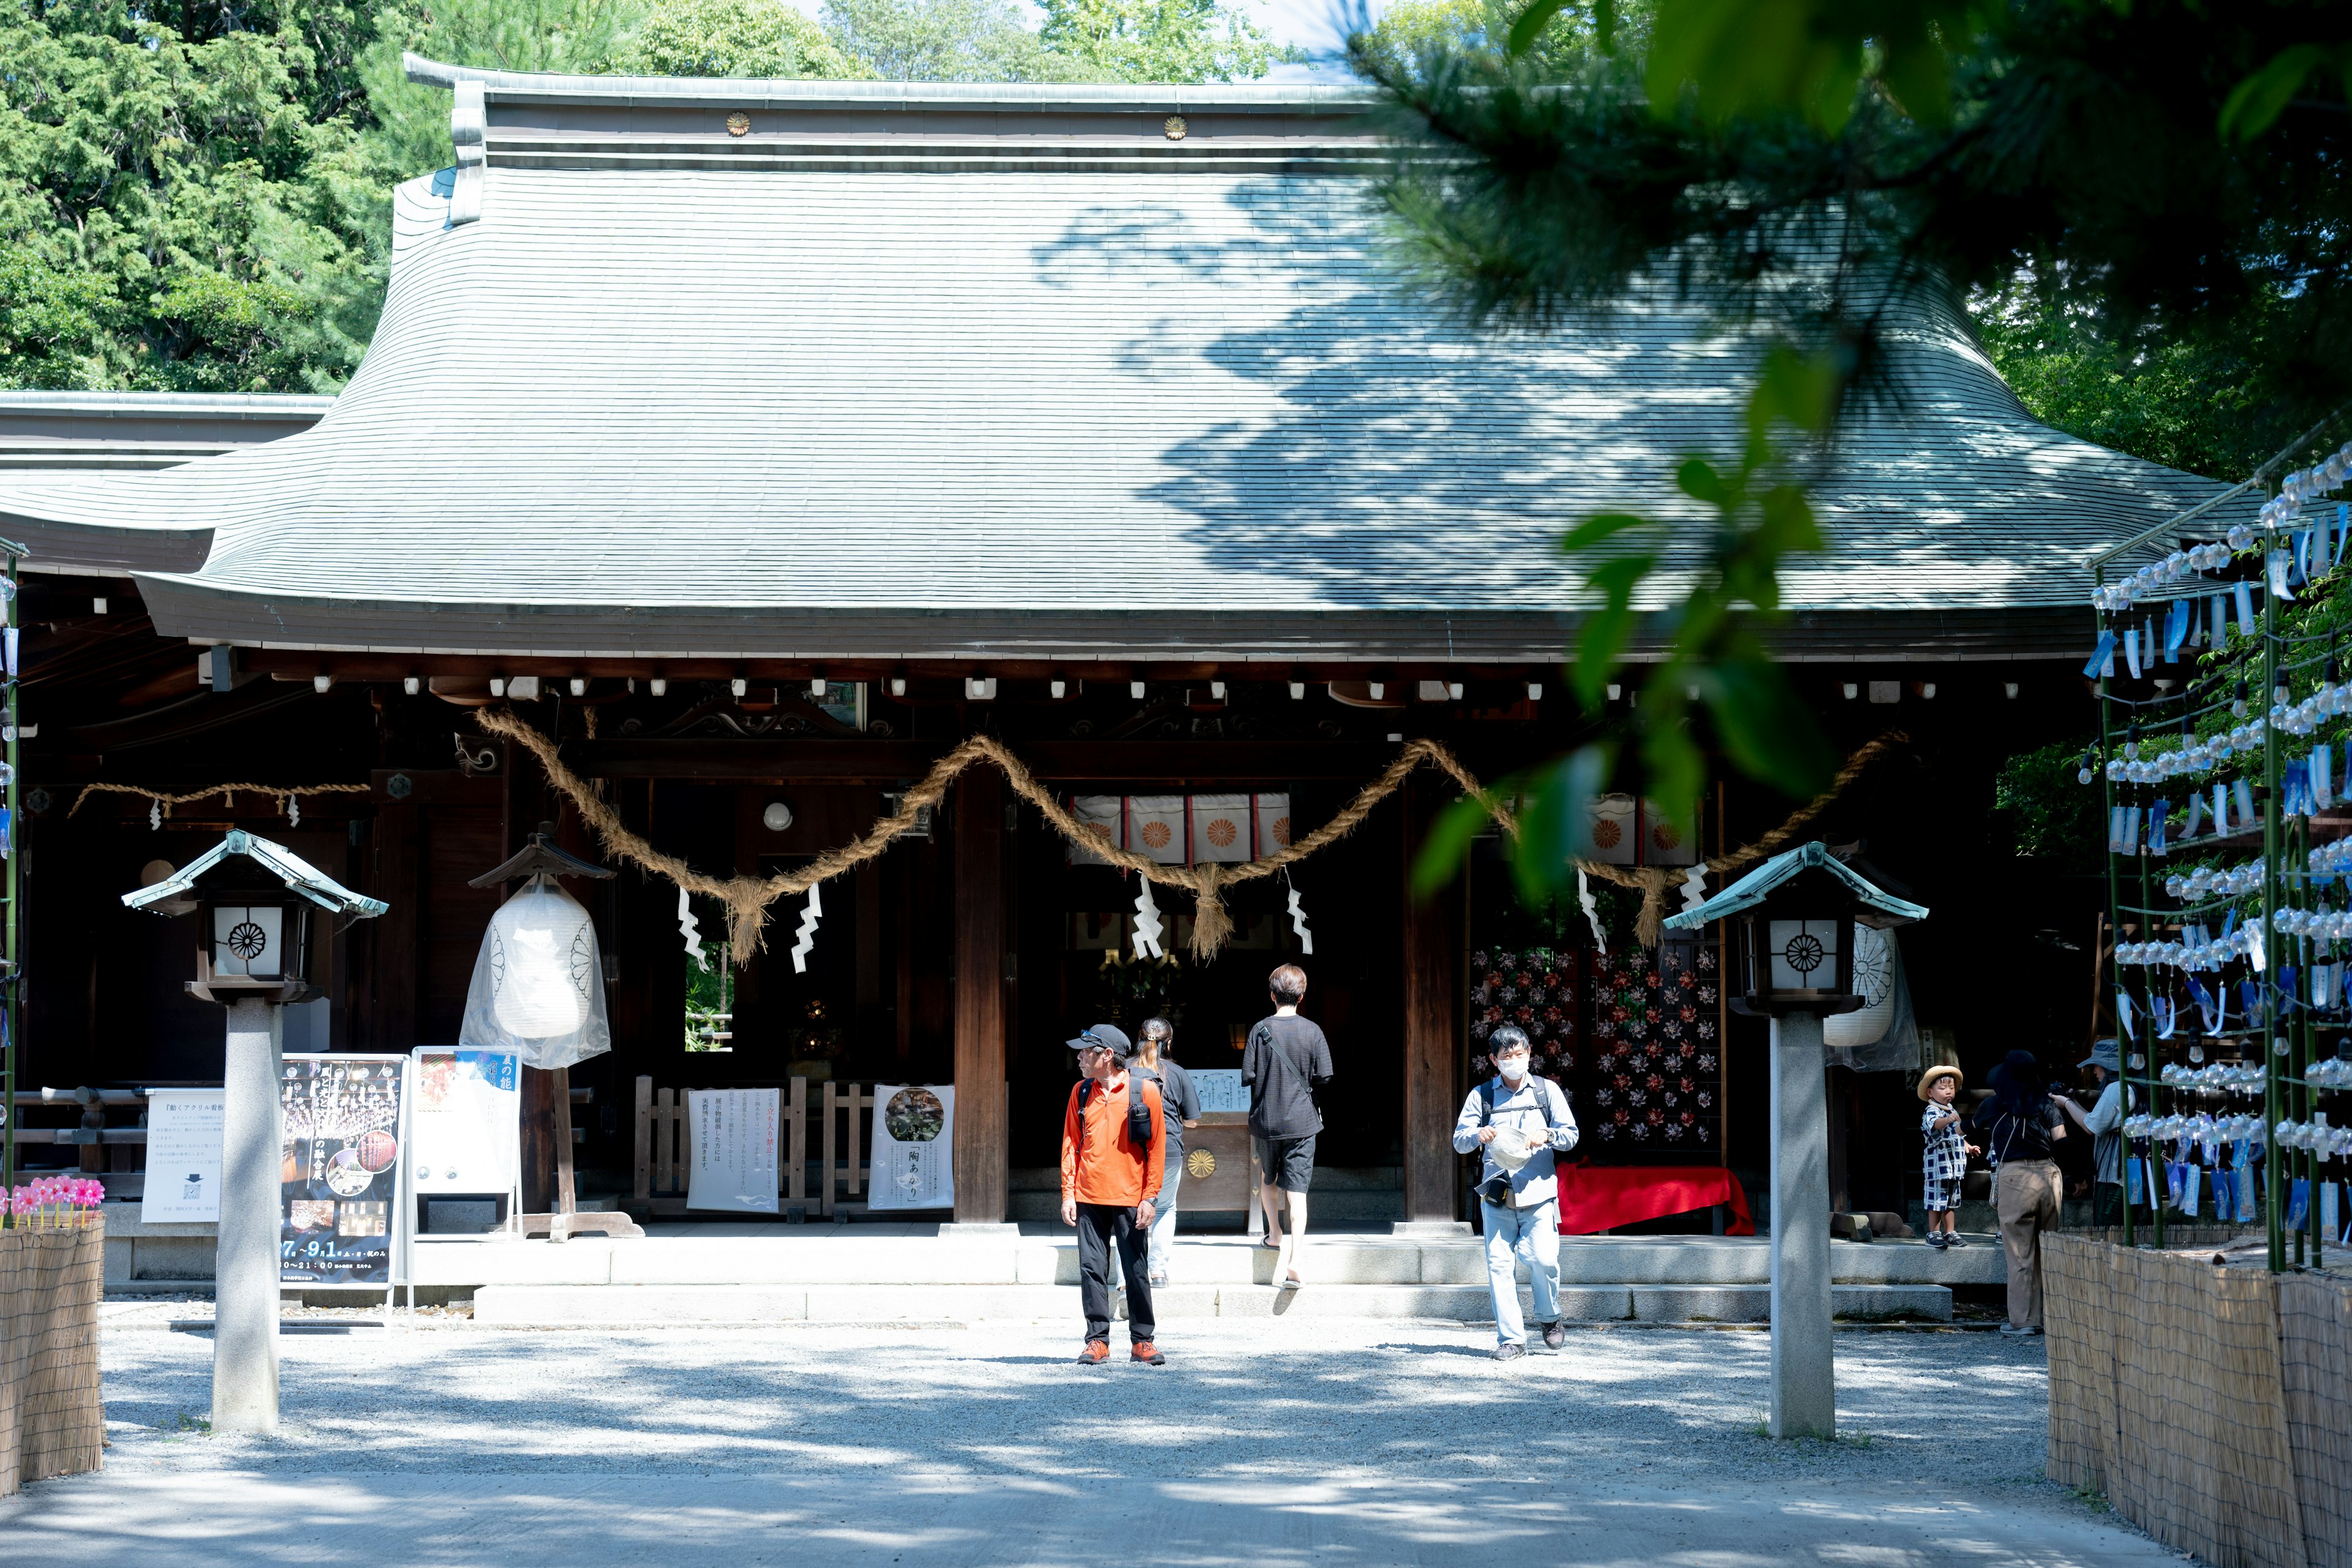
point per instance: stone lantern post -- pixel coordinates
(1792, 933)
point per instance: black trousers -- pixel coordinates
(1100, 1227)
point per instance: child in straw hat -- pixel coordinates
(1947, 1154)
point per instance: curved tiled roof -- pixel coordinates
(955, 383)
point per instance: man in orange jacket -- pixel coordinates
(1112, 1157)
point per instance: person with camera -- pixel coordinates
(1113, 1160)
(1523, 1124)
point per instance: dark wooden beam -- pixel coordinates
(297, 664)
(1160, 763)
(1432, 942)
(982, 1177)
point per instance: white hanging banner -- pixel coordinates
(1615, 833)
(1273, 825)
(183, 1157)
(1100, 814)
(913, 1147)
(734, 1134)
(1664, 841)
(1221, 828)
(1155, 826)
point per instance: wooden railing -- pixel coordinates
(842, 1112)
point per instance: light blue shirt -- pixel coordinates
(1537, 1181)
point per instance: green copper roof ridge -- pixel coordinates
(299, 875)
(1751, 889)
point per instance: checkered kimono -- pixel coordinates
(1947, 1157)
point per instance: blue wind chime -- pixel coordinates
(2229, 994)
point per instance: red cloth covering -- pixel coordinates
(1594, 1198)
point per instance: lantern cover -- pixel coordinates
(1805, 953)
(539, 982)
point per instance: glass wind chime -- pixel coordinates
(2229, 876)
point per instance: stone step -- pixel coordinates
(765, 1255)
(1349, 1207)
(1327, 1179)
(652, 1306)
(845, 1257)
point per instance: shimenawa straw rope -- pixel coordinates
(747, 899)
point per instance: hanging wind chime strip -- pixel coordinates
(747, 899)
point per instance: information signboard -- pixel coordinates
(338, 1174)
(1220, 1088)
(183, 1157)
(465, 1126)
(914, 1143)
(733, 1133)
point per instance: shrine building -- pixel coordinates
(759, 443)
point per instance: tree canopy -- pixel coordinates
(195, 196)
(2145, 206)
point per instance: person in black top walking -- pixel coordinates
(2020, 1125)
(1285, 1065)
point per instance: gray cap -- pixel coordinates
(2105, 1054)
(1109, 1036)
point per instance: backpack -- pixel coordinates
(1486, 1100)
(1140, 1123)
(1486, 1097)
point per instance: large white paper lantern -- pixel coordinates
(539, 983)
(1873, 981)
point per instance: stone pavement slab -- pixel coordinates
(1282, 1441)
(331, 1520)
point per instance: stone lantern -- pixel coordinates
(258, 905)
(1792, 922)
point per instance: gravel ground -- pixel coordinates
(1270, 1444)
(1334, 1400)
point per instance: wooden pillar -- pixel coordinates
(1432, 940)
(396, 877)
(981, 1176)
(525, 798)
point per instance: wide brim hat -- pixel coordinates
(1928, 1080)
(2105, 1054)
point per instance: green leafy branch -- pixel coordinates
(1713, 656)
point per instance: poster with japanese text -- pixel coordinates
(1220, 1088)
(183, 1157)
(914, 1146)
(338, 1174)
(733, 1133)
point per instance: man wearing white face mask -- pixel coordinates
(1523, 1124)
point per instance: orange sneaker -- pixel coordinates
(1096, 1352)
(1148, 1354)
